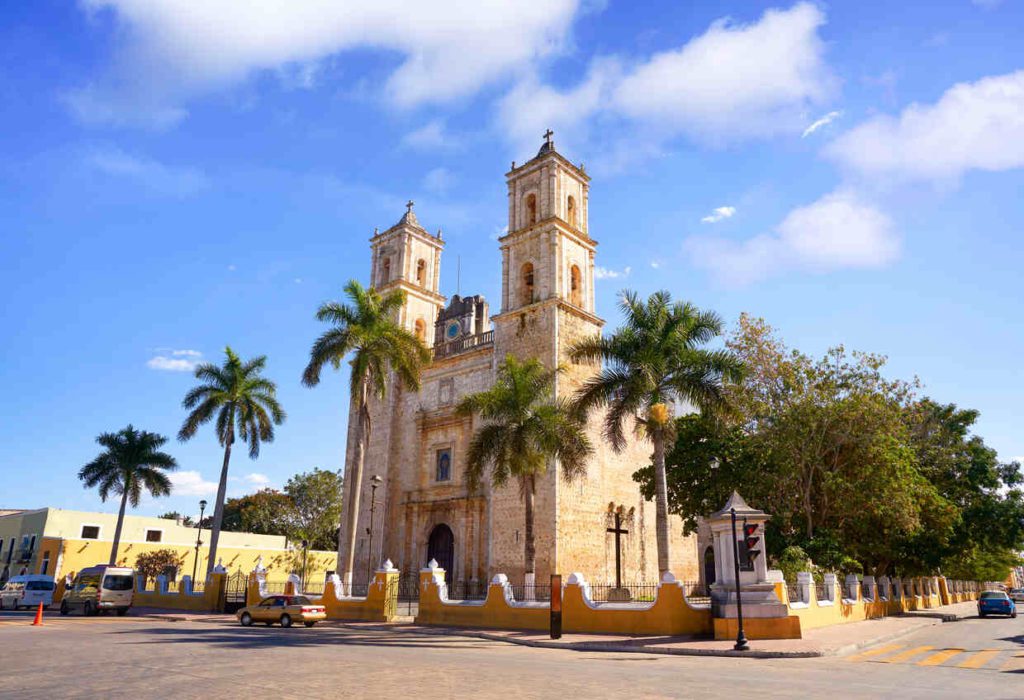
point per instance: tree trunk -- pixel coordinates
(661, 505)
(117, 530)
(353, 486)
(530, 549)
(218, 510)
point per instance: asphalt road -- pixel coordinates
(109, 657)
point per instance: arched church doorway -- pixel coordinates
(709, 568)
(441, 548)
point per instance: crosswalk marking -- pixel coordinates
(905, 655)
(874, 652)
(979, 659)
(939, 657)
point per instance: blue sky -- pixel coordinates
(175, 178)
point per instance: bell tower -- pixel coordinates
(547, 262)
(407, 257)
(548, 252)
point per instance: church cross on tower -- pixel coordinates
(409, 204)
(547, 136)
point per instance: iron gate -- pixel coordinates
(235, 589)
(408, 594)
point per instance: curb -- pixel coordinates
(605, 647)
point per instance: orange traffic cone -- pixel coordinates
(39, 616)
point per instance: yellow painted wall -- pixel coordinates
(669, 614)
(379, 605)
(207, 601)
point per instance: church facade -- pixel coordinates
(424, 508)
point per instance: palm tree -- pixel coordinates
(130, 462)
(244, 402)
(651, 362)
(525, 429)
(367, 329)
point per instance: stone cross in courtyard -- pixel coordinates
(620, 593)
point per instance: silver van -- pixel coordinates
(27, 591)
(99, 589)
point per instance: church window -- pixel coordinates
(421, 272)
(570, 211)
(385, 271)
(575, 286)
(444, 465)
(527, 288)
(420, 329)
(531, 209)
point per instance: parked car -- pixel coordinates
(996, 603)
(1017, 594)
(100, 589)
(284, 609)
(27, 591)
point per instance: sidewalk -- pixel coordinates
(824, 641)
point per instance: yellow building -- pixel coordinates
(59, 542)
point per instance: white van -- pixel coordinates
(27, 591)
(100, 588)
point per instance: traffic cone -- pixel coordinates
(39, 616)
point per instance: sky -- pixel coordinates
(178, 176)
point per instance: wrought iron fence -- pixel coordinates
(467, 590)
(865, 590)
(199, 586)
(275, 587)
(408, 594)
(793, 591)
(313, 588)
(821, 591)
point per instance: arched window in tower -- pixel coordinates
(421, 272)
(526, 289)
(420, 328)
(531, 209)
(385, 271)
(570, 211)
(575, 286)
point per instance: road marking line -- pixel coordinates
(1014, 663)
(939, 657)
(874, 652)
(980, 658)
(906, 655)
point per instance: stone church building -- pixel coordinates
(423, 508)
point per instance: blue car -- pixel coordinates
(996, 603)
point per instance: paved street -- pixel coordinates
(137, 658)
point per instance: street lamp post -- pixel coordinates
(199, 541)
(374, 483)
(741, 639)
(305, 550)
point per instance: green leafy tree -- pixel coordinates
(186, 520)
(155, 563)
(655, 360)
(367, 331)
(315, 507)
(245, 406)
(525, 428)
(131, 461)
(266, 512)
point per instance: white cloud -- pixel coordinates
(430, 136)
(735, 80)
(438, 180)
(718, 214)
(256, 479)
(175, 360)
(837, 231)
(732, 82)
(604, 273)
(191, 483)
(173, 50)
(824, 121)
(155, 176)
(655, 264)
(973, 126)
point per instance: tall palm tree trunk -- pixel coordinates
(353, 486)
(530, 548)
(218, 509)
(661, 505)
(120, 524)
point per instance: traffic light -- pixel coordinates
(750, 542)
